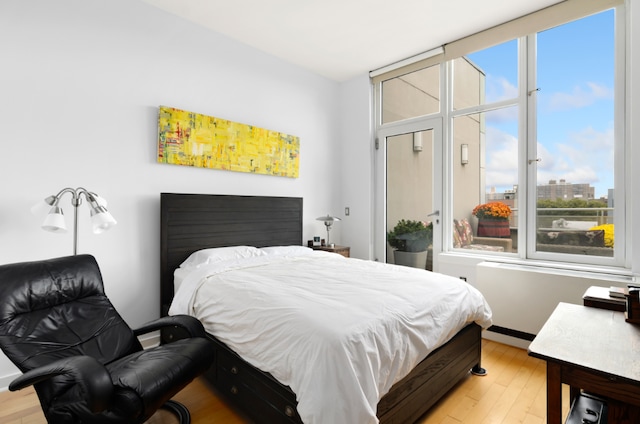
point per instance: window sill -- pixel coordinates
(615, 274)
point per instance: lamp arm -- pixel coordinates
(91, 197)
(66, 190)
(76, 201)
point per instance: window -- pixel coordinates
(575, 72)
(485, 121)
(536, 123)
(413, 94)
(562, 149)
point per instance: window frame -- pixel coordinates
(621, 261)
(527, 142)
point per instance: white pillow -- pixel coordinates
(287, 250)
(219, 254)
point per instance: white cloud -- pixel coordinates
(502, 115)
(580, 97)
(586, 157)
(499, 88)
(502, 158)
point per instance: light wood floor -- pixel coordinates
(514, 391)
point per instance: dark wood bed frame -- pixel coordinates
(190, 222)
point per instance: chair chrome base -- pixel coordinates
(179, 410)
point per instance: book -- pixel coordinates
(618, 292)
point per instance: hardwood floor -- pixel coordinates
(514, 391)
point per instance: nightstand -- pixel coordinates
(598, 297)
(342, 250)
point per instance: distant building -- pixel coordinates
(565, 191)
(509, 197)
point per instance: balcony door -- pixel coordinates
(408, 182)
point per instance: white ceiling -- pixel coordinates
(340, 39)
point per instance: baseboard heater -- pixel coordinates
(512, 333)
(523, 297)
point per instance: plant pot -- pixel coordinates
(489, 228)
(412, 259)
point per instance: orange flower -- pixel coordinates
(496, 211)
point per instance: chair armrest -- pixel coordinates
(192, 325)
(92, 377)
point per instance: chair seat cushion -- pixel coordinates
(148, 374)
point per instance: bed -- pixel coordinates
(192, 222)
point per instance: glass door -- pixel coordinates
(409, 193)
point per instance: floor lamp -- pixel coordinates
(101, 219)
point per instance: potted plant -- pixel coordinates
(493, 219)
(410, 239)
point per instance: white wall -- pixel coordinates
(80, 85)
(355, 155)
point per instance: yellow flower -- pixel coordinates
(608, 233)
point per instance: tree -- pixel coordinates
(565, 206)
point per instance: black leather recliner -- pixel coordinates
(87, 365)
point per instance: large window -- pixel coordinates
(553, 166)
(534, 124)
(575, 132)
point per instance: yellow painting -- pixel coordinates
(192, 139)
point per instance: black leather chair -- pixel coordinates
(86, 364)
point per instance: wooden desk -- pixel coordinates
(590, 349)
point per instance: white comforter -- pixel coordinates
(340, 332)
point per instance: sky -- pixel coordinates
(575, 77)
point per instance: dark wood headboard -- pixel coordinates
(191, 222)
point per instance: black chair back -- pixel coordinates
(55, 309)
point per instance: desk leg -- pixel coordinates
(554, 393)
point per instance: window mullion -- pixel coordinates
(487, 107)
(529, 146)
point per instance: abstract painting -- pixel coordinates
(191, 139)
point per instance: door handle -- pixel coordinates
(435, 213)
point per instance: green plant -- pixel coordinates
(411, 236)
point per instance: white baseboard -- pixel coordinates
(6, 380)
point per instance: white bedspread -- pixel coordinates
(340, 332)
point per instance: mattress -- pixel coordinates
(339, 331)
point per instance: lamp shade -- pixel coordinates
(54, 221)
(101, 201)
(101, 220)
(43, 206)
(328, 222)
(328, 218)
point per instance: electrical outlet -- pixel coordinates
(346, 211)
